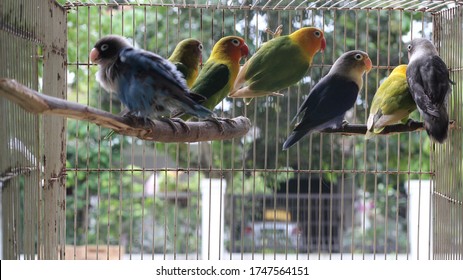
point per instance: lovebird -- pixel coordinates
(429, 81)
(279, 63)
(146, 83)
(330, 99)
(392, 102)
(187, 57)
(219, 72)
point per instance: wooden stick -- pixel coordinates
(37, 103)
(356, 129)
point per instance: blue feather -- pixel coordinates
(146, 83)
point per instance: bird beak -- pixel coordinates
(244, 50)
(94, 55)
(368, 64)
(323, 44)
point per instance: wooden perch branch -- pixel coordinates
(38, 103)
(353, 129)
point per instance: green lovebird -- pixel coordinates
(279, 63)
(187, 57)
(219, 72)
(392, 102)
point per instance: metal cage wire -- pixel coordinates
(33, 36)
(329, 197)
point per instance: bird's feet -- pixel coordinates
(172, 122)
(344, 124)
(145, 121)
(408, 122)
(218, 121)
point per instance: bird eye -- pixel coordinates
(358, 56)
(409, 47)
(200, 47)
(104, 47)
(236, 42)
(317, 34)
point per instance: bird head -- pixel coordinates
(231, 47)
(420, 47)
(311, 39)
(107, 49)
(188, 52)
(352, 64)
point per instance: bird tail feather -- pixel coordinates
(293, 139)
(437, 128)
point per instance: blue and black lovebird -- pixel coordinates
(330, 99)
(146, 83)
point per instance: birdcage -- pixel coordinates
(68, 192)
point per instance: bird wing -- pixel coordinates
(148, 80)
(325, 106)
(281, 56)
(329, 99)
(182, 69)
(212, 79)
(160, 66)
(392, 102)
(429, 84)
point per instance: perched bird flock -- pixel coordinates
(150, 86)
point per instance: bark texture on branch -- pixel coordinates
(37, 103)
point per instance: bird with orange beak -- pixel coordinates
(146, 83)
(330, 99)
(218, 74)
(279, 63)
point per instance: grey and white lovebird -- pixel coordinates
(146, 83)
(330, 99)
(429, 81)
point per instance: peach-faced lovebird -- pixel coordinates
(187, 57)
(329, 100)
(392, 102)
(147, 84)
(279, 63)
(219, 72)
(429, 82)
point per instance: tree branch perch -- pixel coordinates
(37, 103)
(356, 129)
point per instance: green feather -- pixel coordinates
(213, 83)
(273, 57)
